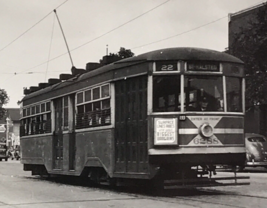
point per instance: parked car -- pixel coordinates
(3, 151)
(256, 148)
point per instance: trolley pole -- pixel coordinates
(64, 37)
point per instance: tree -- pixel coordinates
(125, 53)
(3, 100)
(112, 57)
(250, 45)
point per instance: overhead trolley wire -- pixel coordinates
(182, 33)
(52, 59)
(31, 27)
(137, 17)
(102, 34)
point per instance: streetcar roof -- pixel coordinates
(178, 53)
(185, 53)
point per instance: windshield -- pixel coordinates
(256, 139)
(203, 93)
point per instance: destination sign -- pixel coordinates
(166, 66)
(203, 66)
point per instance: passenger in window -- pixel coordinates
(89, 119)
(98, 116)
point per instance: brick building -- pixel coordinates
(256, 116)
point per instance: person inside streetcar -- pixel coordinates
(203, 104)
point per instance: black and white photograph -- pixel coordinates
(130, 104)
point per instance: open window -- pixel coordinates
(166, 93)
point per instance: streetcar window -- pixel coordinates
(96, 106)
(166, 92)
(106, 104)
(24, 112)
(256, 139)
(88, 95)
(33, 110)
(42, 107)
(203, 93)
(233, 94)
(28, 111)
(94, 109)
(88, 107)
(65, 113)
(48, 106)
(105, 91)
(80, 97)
(96, 93)
(38, 120)
(38, 109)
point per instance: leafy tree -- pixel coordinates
(3, 100)
(125, 53)
(112, 57)
(250, 45)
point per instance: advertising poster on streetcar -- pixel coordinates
(165, 131)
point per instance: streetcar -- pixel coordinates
(167, 115)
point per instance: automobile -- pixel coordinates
(256, 151)
(3, 151)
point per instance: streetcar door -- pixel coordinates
(70, 111)
(58, 135)
(131, 154)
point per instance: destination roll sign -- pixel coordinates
(166, 66)
(203, 66)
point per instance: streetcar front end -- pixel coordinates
(197, 114)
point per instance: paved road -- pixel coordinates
(18, 189)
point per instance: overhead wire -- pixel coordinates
(30, 27)
(15, 73)
(182, 33)
(100, 36)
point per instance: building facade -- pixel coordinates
(256, 115)
(10, 127)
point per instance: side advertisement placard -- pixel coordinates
(165, 131)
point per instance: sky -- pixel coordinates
(32, 47)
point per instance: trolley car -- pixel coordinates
(170, 114)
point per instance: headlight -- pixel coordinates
(206, 130)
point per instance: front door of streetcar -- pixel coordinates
(131, 154)
(58, 135)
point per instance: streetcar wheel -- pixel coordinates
(5, 159)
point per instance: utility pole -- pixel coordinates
(7, 130)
